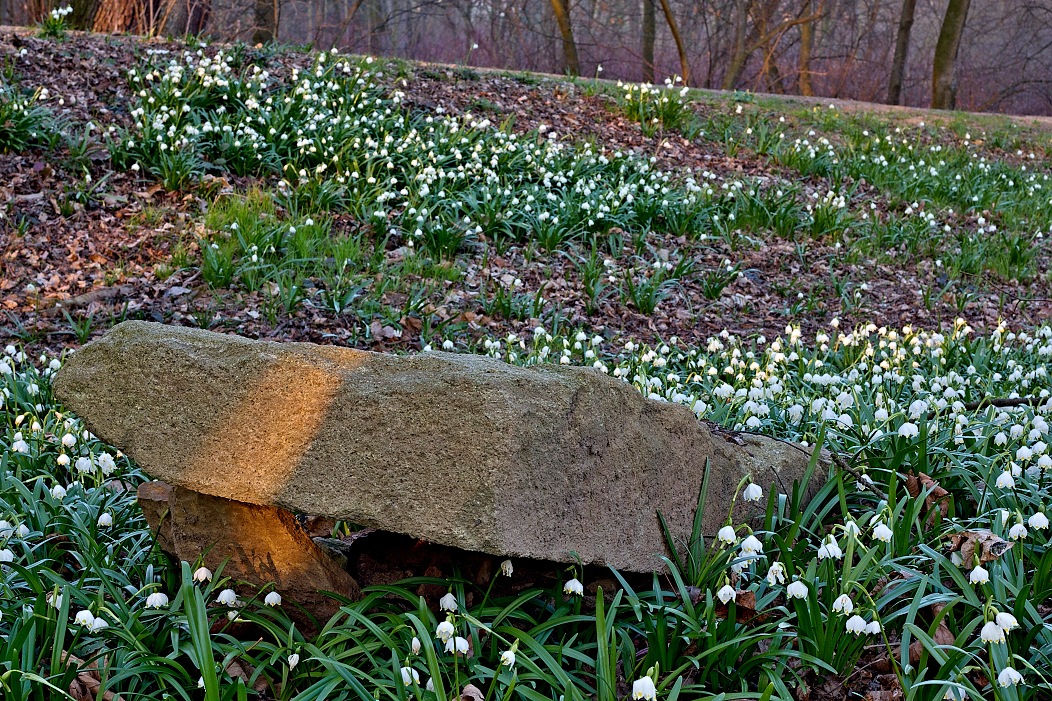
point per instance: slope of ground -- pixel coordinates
(85, 242)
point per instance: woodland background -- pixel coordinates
(983, 55)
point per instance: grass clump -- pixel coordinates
(24, 122)
(655, 107)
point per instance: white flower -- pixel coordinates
(830, 548)
(447, 345)
(726, 594)
(873, 628)
(6, 555)
(69, 440)
(843, 605)
(1038, 521)
(202, 575)
(909, 430)
(448, 602)
(506, 568)
(83, 465)
(58, 492)
(1017, 531)
(20, 446)
(414, 646)
(979, 575)
(776, 575)
(796, 590)
(752, 492)
(106, 463)
(573, 588)
(272, 599)
(507, 658)
(727, 535)
(99, 624)
(992, 633)
(1006, 621)
(105, 520)
(1005, 481)
(62, 460)
(84, 618)
(643, 689)
(294, 660)
(227, 597)
(752, 546)
(445, 631)
(410, 676)
(1009, 677)
(882, 533)
(55, 601)
(918, 408)
(457, 645)
(856, 624)
(430, 686)
(156, 600)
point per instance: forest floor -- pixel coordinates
(83, 243)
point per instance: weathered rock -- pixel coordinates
(551, 463)
(259, 544)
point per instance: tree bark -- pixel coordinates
(807, 41)
(561, 8)
(116, 16)
(266, 25)
(649, 32)
(741, 51)
(197, 14)
(673, 27)
(944, 67)
(902, 48)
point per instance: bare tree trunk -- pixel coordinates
(902, 48)
(266, 26)
(673, 27)
(944, 67)
(561, 9)
(197, 14)
(741, 51)
(649, 31)
(115, 16)
(807, 41)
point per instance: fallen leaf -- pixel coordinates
(744, 608)
(935, 495)
(244, 671)
(472, 693)
(382, 332)
(981, 542)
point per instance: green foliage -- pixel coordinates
(79, 573)
(24, 123)
(656, 108)
(53, 25)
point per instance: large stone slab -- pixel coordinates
(258, 544)
(552, 463)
